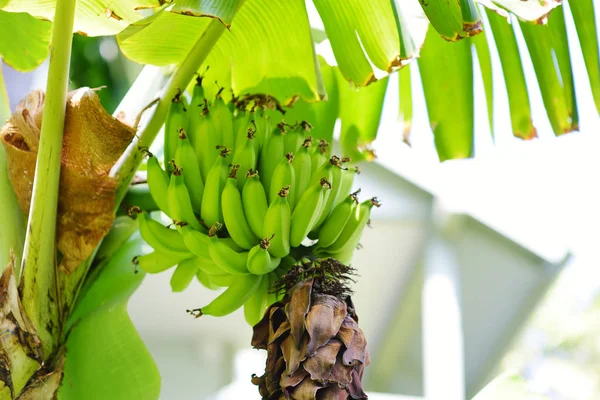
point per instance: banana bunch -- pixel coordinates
(246, 199)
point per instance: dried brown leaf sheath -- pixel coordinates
(315, 349)
(93, 141)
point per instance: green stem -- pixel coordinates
(129, 162)
(39, 291)
(12, 230)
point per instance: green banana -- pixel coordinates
(211, 211)
(138, 194)
(158, 182)
(254, 201)
(256, 305)
(223, 280)
(231, 299)
(294, 139)
(224, 256)
(307, 212)
(241, 124)
(335, 223)
(223, 120)
(180, 204)
(284, 175)
(260, 261)
(271, 154)
(176, 120)
(348, 175)
(205, 280)
(195, 112)
(185, 157)
(157, 261)
(277, 224)
(161, 238)
(183, 275)
(196, 242)
(302, 170)
(245, 156)
(208, 139)
(262, 124)
(352, 232)
(233, 213)
(324, 171)
(319, 156)
(336, 180)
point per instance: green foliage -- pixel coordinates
(105, 357)
(25, 40)
(508, 386)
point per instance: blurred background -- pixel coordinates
(492, 262)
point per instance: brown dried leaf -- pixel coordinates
(355, 388)
(293, 354)
(20, 344)
(294, 379)
(272, 379)
(298, 307)
(92, 143)
(333, 392)
(324, 320)
(260, 332)
(321, 364)
(282, 330)
(341, 373)
(307, 390)
(354, 340)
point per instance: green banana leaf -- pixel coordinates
(105, 357)
(25, 32)
(92, 17)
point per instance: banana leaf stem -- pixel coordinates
(39, 290)
(12, 230)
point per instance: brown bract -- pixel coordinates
(92, 143)
(315, 349)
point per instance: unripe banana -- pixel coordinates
(180, 204)
(325, 171)
(245, 156)
(195, 112)
(335, 223)
(263, 126)
(271, 154)
(352, 232)
(348, 175)
(254, 200)
(223, 120)
(158, 182)
(156, 261)
(241, 124)
(336, 184)
(231, 299)
(223, 280)
(260, 261)
(319, 156)
(208, 139)
(195, 241)
(185, 158)
(256, 305)
(205, 280)
(302, 170)
(161, 238)
(307, 212)
(211, 210)
(224, 256)
(294, 139)
(176, 120)
(284, 175)
(233, 213)
(183, 275)
(277, 224)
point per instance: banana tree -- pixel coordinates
(63, 324)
